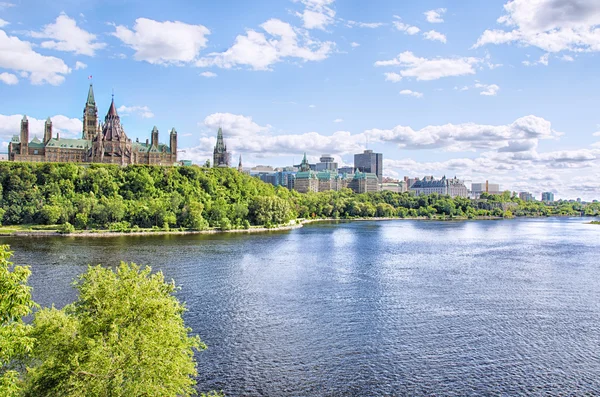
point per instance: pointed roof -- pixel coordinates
(48, 121)
(112, 111)
(173, 131)
(24, 118)
(90, 99)
(220, 146)
(240, 159)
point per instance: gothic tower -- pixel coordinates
(240, 168)
(304, 166)
(90, 116)
(221, 157)
(47, 130)
(24, 135)
(174, 143)
(154, 137)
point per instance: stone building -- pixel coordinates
(363, 182)
(100, 143)
(306, 179)
(221, 157)
(451, 187)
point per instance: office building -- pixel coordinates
(548, 197)
(369, 162)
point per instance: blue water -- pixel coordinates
(385, 308)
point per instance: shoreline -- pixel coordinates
(299, 223)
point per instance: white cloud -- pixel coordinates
(488, 89)
(542, 61)
(80, 65)
(431, 69)
(5, 4)
(552, 25)
(317, 14)
(369, 25)
(66, 36)
(435, 36)
(412, 93)
(403, 27)
(393, 77)
(354, 44)
(435, 16)
(260, 52)
(9, 78)
(208, 74)
(164, 43)
(312, 106)
(3, 23)
(68, 127)
(338, 120)
(19, 56)
(142, 111)
(234, 124)
(469, 136)
(567, 58)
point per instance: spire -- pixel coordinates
(48, 120)
(90, 99)
(112, 111)
(240, 168)
(220, 146)
(24, 118)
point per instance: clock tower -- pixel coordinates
(90, 117)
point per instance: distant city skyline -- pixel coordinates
(501, 90)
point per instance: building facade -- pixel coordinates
(306, 179)
(221, 157)
(451, 187)
(526, 196)
(370, 162)
(100, 143)
(548, 197)
(327, 163)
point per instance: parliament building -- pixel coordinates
(100, 142)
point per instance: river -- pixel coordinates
(508, 307)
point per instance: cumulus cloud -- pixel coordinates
(393, 77)
(412, 93)
(19, 56)
(316, 14)
(467, 136)
(435, 36)
(431, 69)
(488, 89)
(552, 25)
(208, 74)
(406, 28)
(80, 65)
(435, 16)
(260, 51)
(9, 78)
(163, 43)
(141, 111)
(68, 127)
(234, 124)
(3, 23)
(65, 35)
(354, 44)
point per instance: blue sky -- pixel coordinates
(499, 90)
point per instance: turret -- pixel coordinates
(24, 135)
(154, 137)
(240, 168)
(304, 166)
(173, 143)
(47, 130)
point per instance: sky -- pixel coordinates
(498, 90)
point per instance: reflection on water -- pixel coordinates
(372, 308)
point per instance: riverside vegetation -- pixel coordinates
(123, 336)
(68, 197)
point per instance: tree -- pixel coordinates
(124, 336)
(15, 339)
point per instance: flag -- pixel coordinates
(90, 77)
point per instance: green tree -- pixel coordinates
(124, 336)
(15, 338)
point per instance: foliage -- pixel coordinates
(100, 196)
(15, 338)
(124, 336)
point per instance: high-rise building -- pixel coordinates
(526, 196)
(370, 162)
(548, 197)
(327, 163)
(221, 158)
(478, 188)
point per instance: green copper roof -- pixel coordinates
(90, 99)
(306, 175)
(24, 118)
(142, 147)
(220, 146)
(64, 143)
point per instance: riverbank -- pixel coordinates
(53, 231)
